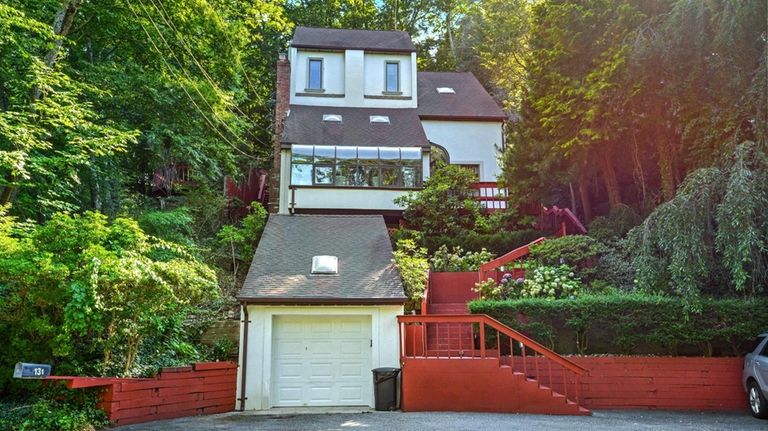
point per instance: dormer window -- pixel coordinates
(392, 77)
(315, 74)
(445, 90)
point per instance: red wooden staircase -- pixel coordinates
(475, 363)
(455, 361)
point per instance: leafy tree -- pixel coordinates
(85, 293)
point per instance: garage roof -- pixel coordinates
(281, 269)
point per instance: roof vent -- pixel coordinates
(332, 118)
(445, 90)
(326, 265)
(379, 119)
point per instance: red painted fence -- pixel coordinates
(201, 389)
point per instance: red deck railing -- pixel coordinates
(512, 256)
(491, 197)
(478, 336)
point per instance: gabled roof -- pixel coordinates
(340, 39)
(470, 101)
(280, 271)
(305, 126)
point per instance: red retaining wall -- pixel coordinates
(450, 287)
(612, 382)
(201, 389)
(675, 383)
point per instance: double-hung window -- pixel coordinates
(392, 77)
(315, 74)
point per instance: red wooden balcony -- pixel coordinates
(491, 197)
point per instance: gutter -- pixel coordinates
(243, 365)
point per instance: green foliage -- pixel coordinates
(174, 225)
(457, 260)
(498, 243)
(615, 225)
(578, 251)
(633, 324)
(411, 262)
(445, 206)
(55, 409)
(552, 282)
(712, 237)
(85, 294)
(236, 245)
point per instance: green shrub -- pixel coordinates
(411, 261)
(457, 260)
(633, 324)
(499, 243)
(56, 408)
(173, 225)
(615, 225)
(578, 251)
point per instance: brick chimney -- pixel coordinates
(282, 98)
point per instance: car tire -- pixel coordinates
(758, 406)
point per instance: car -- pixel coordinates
(756, 377)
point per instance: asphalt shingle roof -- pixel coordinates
(470, 102)
(366, 40)
(280, 271)
(305, 126)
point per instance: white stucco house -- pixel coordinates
(357, 125)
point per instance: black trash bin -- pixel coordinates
(385, 388)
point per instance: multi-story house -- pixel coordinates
(359, 125)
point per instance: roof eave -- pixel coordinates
(357, 48)
(484, 118)
(321, 301)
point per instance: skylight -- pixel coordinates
(379, 119)
(332, 118)
(445, 90)
(325, 265)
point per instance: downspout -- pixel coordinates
(244, 364)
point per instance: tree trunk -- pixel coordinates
(586, 205)
(609, 177)
(666, 170)
(62, 23)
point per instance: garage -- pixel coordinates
(321, 361)
(319, 312)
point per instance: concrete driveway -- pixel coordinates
(385, 421)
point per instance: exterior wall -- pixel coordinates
(351, 75)
(469, 142)
(374, 73)
(384, 334)
(333, 72)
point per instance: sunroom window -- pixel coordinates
(351, 166)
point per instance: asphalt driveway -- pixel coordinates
(385, 421)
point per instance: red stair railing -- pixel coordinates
(425, 337)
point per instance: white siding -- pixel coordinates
(469, 142)
(259, 372)
(353, 74)
(333, 72)
(374, 73)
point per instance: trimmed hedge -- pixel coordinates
(633, 324)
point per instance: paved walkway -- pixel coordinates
(384, 421)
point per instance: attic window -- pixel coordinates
(325, 265)
(445, 90)
(332, 118)
(379, 119)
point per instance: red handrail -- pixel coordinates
(505, 259)
(483, 320)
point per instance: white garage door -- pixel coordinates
(321, 361)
